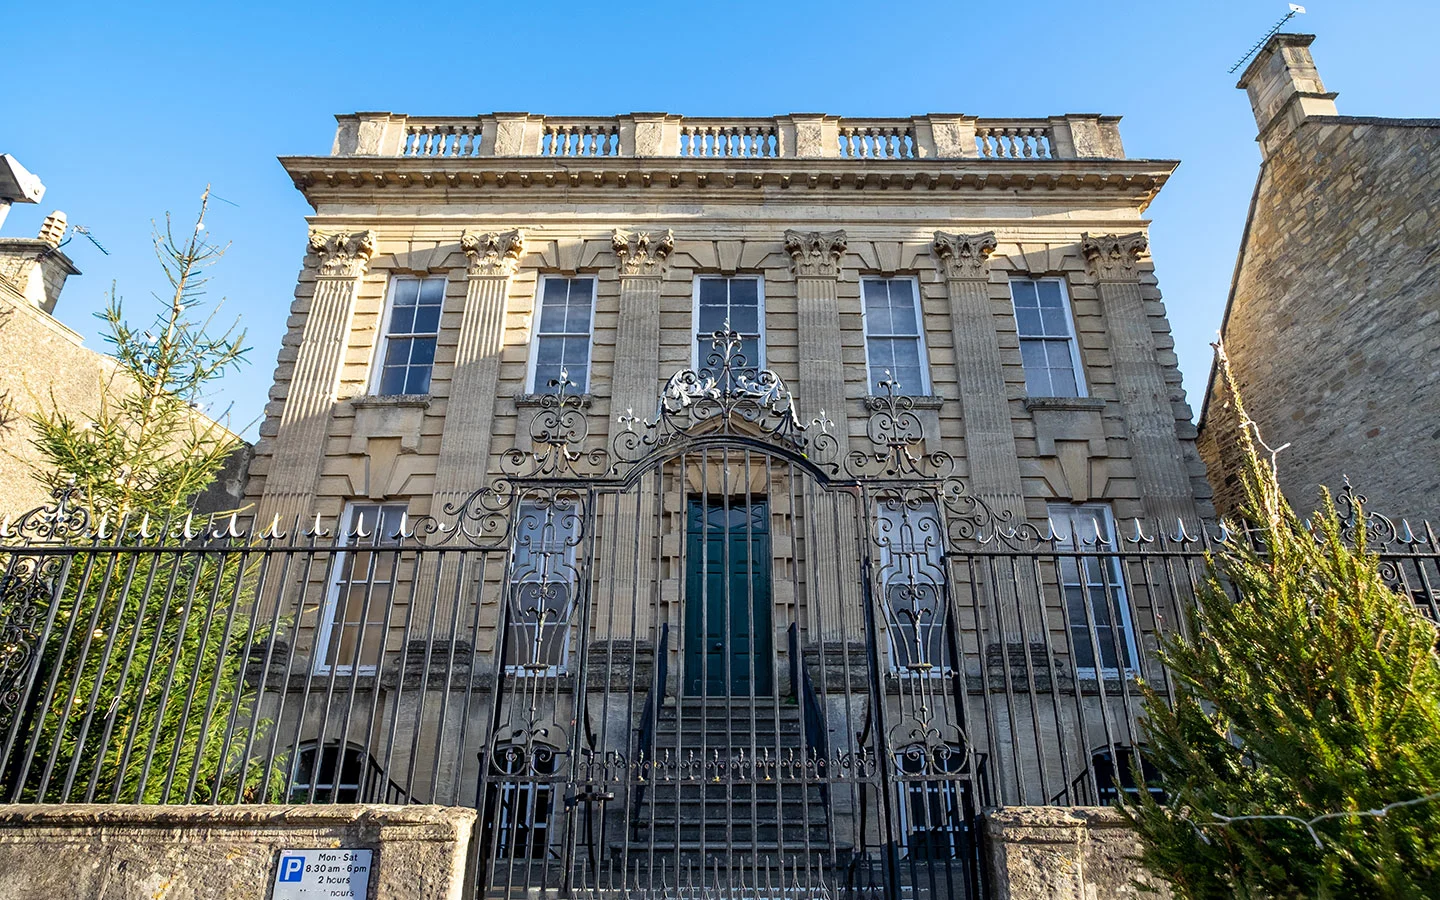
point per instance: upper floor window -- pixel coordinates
(738, 303)
(362, 585)
(412, 325)
(894, 338)
(1047, 338)
(1096, 605)
(561, 341)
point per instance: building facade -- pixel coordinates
(698, 420)
(1333, 320)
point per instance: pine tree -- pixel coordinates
(1302, 755)
(140, 691)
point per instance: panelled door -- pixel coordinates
(729, 648)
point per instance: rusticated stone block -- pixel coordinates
(1054, 853)
(84, 851)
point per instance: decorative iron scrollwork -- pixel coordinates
(727, 396)
(558, 431)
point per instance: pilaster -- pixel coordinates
(310, 398)
(964, 262)
(641, 259)
(1155, 451)
(815, 259)
(470, 410)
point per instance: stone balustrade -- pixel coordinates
(798, 136)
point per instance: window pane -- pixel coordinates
(877, 316)
(392, 380)
(745, 319)
(712, 319)
(1049, 294)
(744, 292)
(902, 307)
(1054, 322)
(552, 317)
(418, 380)
(910, 379)
(549, 351)
(422, 352)
(406, 291)
(1028, 322)
(427, 319)
(402, 319)
(577, 314)
(432, 291)
(713, 292)
(1023, 293)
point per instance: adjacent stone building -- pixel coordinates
(1332, 327)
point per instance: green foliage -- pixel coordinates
(146, 449)
(142, 673)
(147, 672)
(1310, 690)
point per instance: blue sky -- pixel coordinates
(128, 110)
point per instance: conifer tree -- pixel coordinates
(1301, 758)
(140, 694)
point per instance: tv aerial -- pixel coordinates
(1295, 10)
(82, 229)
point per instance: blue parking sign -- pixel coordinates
(323, 873)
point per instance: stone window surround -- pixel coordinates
(1082, 385)
(1114, 588)
(533, 351)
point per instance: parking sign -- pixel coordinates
(322, 874)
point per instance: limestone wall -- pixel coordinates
(1334, 327)
(81, 852)
(1054, 853)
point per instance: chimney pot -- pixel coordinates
(53, 231)
(1285, 88)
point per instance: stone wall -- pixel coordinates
(1054, 853)
(1333, 328)
(81, 852)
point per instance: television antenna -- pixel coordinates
(82, 229)
(1295, 10)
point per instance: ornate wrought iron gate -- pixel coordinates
(760, 693)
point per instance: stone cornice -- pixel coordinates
(329, 178)
(343, 254)
(1113, 257)
(963, 255)
(493, 253)
(815, 254)
(639, 253)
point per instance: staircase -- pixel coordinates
(733, 800)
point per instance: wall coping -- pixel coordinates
(441, 819)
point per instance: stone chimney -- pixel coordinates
(1285, 88)
(33, 270)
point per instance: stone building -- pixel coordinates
(707, 387)
(1332, 326)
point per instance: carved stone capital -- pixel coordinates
(642, 252)
(343, 254)
(815, 253)
(493, 253)
(963, 255)
(1113, 257)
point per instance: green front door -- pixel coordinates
(728, 645)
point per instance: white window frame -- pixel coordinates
(535, 334)
(1116, 591)
(1073, 337)
(934, 558)
(382, 344)
(919, 335)
(322, 664)
(697, 359)
(950, 790)
(529, 507)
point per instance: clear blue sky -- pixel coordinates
(128, 110)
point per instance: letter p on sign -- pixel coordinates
(292, 868)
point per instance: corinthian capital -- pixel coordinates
(642, 252)
(815, 253)
(494, 253)
(1113, 257)
(963, 255)
(343, 254)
